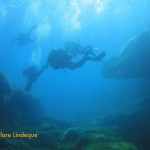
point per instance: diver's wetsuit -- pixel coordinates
(31, 75)
(88, 58)
(59, 59)
(80, 51)
(24, 38)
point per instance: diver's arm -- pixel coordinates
(28, 86)
(30, 82)
(14, 40)
(97, 58)
(42, 69)
(33, 28)
(80, 63)
(32, 40)
(30, 32)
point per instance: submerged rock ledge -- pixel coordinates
(17, 105)
(21, 113)
(133, 60)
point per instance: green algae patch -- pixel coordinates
(111, 146)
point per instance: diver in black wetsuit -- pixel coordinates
(24, 38)
(74, 48)
(60, 59)
(31, 74)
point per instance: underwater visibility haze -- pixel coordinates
(95, 93)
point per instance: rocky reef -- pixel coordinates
(133, 127)
(16, 105)
(23, 126)
(133, 60)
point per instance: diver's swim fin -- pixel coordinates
(100, 56)
(96, 58)
(28, 86)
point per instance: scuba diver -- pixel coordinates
(74, 48)
(60, 59)
(24, 38)
(31, 74)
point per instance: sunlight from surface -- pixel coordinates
(101, 5)
(71, 17)
(98, 5)
(68, 14)
(44, 28)
(73, 11)
(40, 18)
(2, 12)
(32, 13)
(36, 56)
(122, 9)
(14, 3)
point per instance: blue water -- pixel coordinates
(105, 24)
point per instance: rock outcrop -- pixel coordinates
(133, 60)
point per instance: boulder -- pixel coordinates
(133, 60)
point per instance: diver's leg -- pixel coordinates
(28, 86)
(97, 58)
(32, 40)
(42, 69)
(14, 40)
(32, 29)
(80, 63)
(89, 49)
